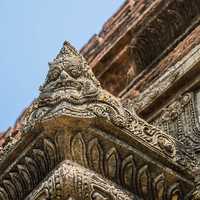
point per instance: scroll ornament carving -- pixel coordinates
(71, 89)
(176, 108)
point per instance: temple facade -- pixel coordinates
(118, 120)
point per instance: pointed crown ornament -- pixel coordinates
(68, 53)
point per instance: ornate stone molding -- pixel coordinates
(75, 119)
(32, 164)
(70, 181)
(180, 119)
(93, 149)
(72, 90)
(121, 166)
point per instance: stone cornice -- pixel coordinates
(75, 92)
(174, 76)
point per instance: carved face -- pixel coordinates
(67, 80)
(63, 74)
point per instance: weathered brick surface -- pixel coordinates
(150, 75)
(137, 38)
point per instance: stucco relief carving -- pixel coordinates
(71, 89)
(180, 119)
(141, 179)
(72, 182)
(28, 171)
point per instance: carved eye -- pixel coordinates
(54, 74)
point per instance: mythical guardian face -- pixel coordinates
(72, 90)
(63, 75)
(68, 79)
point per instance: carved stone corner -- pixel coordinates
(107, 148)
(72, 90)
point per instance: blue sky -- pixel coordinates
(31, 34)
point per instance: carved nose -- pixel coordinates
(64, 75)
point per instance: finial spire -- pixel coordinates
(67, 51)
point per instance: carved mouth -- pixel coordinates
(48, 100)
(61, 85)
(68, 84)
